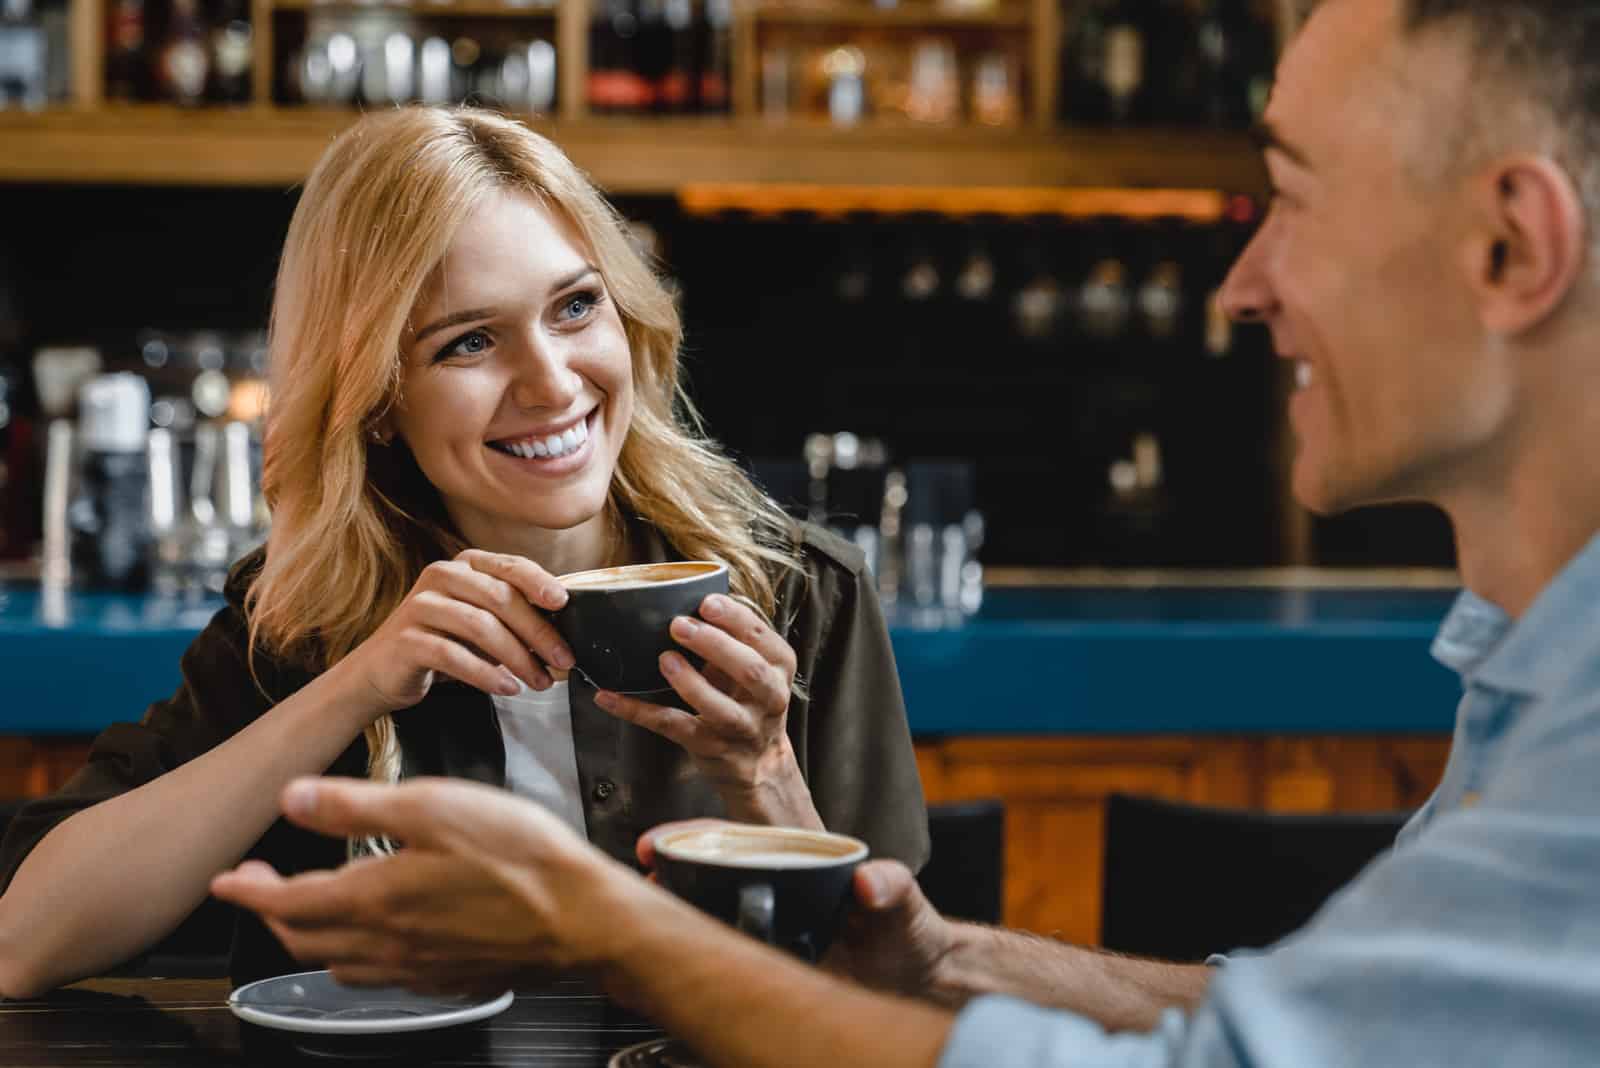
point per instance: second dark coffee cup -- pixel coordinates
(617, 619)
(783, 885)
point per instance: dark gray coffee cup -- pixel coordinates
(783, 885)
(617, 619)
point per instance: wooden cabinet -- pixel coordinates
(32, 767)
(1055, 789)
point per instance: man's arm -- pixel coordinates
(1119, 993)
(897, 941)
(490, 887)
(739, 1003)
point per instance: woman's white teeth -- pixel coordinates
(556, 445)
(1303, 375)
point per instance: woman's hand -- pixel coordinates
(740, 738)
(473, 618)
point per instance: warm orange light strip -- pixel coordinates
(1193, 205)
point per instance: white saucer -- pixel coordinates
(314, 1003)
(656, 1053)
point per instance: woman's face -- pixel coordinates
(517, 384)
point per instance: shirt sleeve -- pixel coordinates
(1002, 1032)
(849, 728)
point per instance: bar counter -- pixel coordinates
(1063, 660)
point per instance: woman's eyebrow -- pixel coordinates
(465, 316)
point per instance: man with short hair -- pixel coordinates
(1429, 264)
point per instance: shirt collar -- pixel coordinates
(1531, 654)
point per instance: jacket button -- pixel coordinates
(604, 789)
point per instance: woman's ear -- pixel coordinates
(1527, 249)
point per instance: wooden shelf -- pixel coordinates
(921, 16)
(261, 146)
(464, 8)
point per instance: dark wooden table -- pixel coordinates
(168, 1023)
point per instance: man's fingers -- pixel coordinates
(344, 807)
(249, 883)
(885, 885)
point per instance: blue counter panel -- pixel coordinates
(1096, 661)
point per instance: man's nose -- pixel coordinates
(1247, 295)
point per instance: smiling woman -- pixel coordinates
(475, 389)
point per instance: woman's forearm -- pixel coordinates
(779, 797)
(116, 877)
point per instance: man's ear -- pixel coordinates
(1527, 248)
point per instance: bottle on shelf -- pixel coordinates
(1172, 81)
(1105, 301)
(715, 58)
(1084, 97)
(127, 63)
(232, 52)
(653, 52)
(616, 85)
(1161, 302)
(109, 515)
(1234, 50)
(465, 54)
(677, 88)
(24, 56)
(183, 62)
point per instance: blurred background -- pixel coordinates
(963, 253)
(949, 273)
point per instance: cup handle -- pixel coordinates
(755, 911)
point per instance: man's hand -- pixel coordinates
(488, 888)
(893, 940)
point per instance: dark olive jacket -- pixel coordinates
(849, 735)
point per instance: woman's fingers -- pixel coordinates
(483, 631)
(445, 653)
(510, 605)
(721, 713)
(536, 584)
(673, 724)
(744, 665)
(743, 623)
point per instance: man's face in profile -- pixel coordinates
(1357, 268)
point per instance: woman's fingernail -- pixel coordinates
(605, 698)
(714, 606)
(565, 660)
(671, 663)
(510, 685)
(300, 798)
(557, 595)
(685, 627)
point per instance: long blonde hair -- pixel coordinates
(354, 524)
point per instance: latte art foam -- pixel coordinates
(761, 849)
(636, 576)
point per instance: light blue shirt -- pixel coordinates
(1474, 941)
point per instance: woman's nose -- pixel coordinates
(544, 378)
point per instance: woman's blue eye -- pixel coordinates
(468, 344)
(578, 305)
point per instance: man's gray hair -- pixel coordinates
(1537, 59)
